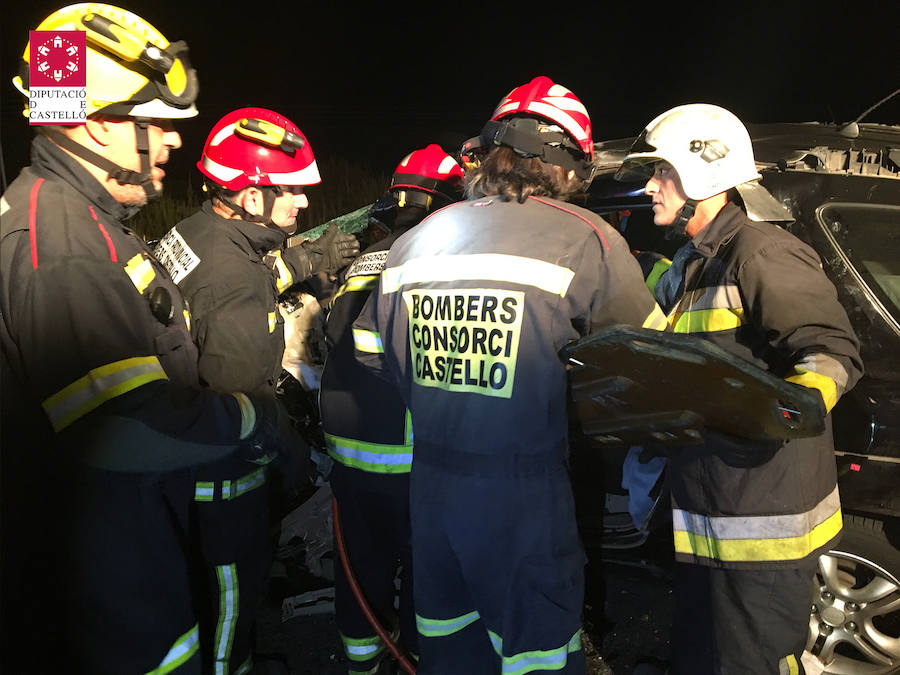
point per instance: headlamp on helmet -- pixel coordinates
(270, 134)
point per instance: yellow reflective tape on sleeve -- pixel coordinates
(707, 320)
(656, 320)
(140, 270)
(100, 385)
(187, 320)
(273, 321)
(821, 383)
(479, 267)
(660, 268)
(367, 341)
(248, 414)
(362, 283)
(285, 278)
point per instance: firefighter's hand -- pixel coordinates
(332, 251)
(273, 438)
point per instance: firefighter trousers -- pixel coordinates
(232, 556)
(128, 600)
(498, 565)
(733, 622)
(374, 510)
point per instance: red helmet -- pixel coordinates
(255, 146)
(552, 102)
(539, 119)
(429, 170)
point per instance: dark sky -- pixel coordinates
(374, 84)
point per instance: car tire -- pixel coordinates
(854, 624)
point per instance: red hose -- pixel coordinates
(395, 649)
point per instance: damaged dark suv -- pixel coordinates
(837, 189)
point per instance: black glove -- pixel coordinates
(332, 251)
(273, 437)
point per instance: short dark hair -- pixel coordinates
(505, 173)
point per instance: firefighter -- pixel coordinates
(367, 425)
(103, 413)
(471, 311)
(230, 262)
(750, 518)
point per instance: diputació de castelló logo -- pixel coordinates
(57, 72)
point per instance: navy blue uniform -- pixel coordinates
(467, 321)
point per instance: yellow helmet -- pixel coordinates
(132, 70)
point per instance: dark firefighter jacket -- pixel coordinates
(94, 331)
(479, 299)
(366, 423)
(760, 293)
(231, 272)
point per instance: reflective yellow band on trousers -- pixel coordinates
(100, 385)
(479, 267)
(226, 620)
(183, 649)
(362, 649)
(757, 538)
(444, 627)
(539, 659)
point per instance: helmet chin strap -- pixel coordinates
(121, 175)
(265, 218)
(678, 228)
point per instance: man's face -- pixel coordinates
(664, 187)
(287, 207)
(123, 151)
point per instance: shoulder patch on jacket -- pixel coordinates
(367, 263)
(176, 256)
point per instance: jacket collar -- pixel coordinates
(51, 161)
(720, 230)
(249, 236)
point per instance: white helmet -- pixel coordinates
(708, 146)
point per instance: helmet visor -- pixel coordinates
(640, 161)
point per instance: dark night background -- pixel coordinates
(372, 84)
